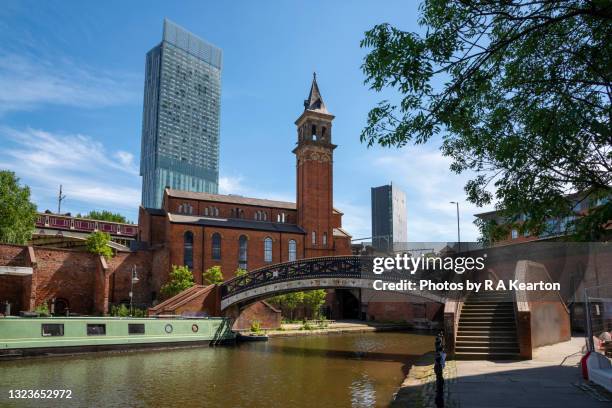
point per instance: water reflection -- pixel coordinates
(360, 370)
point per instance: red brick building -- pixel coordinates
(202, 230)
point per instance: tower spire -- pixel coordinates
(315, 100)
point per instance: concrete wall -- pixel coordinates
(542, 316)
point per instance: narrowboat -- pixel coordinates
(21, 337)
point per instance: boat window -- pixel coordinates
(52, 330)
(168, 328)
(96, 330)
(136, 328)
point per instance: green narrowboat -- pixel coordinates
(20, 336)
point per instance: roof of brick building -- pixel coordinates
(235, 223)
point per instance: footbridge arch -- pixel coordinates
(332, 272)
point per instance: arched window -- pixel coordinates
(216, 211)
(292, 250)
(188, 249)
(242, 252)
(325, 239)
(216, 246)
(314, 238)
(314, 132)
(268, 249)
(278, 218)
(206, 212)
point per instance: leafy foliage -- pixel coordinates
(256, 326)
(213, 275)
(313, 300)
(520, 93)
(97, 243)
(180, 279)
(104, 215)
(17, 213)
(43, 309)
(123, 311)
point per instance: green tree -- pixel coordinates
(518, 91)
(313, 300)
(180, 279)
(104, 215)
(292, 301)
(213, 275)
(97, 243)
(17, 213)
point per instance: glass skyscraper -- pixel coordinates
(180, 124)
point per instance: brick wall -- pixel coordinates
(202, 248)
(268, 317)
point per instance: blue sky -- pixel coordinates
(71, 85)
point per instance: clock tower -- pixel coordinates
(314, 154)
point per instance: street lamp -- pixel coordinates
(458, 230)
(134, 280)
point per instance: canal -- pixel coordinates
(349, 370)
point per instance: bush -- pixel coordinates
(256, 326)
(180, 279)
(97, 243)
(213, 275)
(307, 326)
(124, 311)
(42, 309)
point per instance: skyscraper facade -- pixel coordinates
(389, 224)
(181, 114)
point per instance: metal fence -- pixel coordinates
(598, 301)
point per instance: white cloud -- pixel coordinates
(236, 185)
(424, 174)
(356, 218)
(90, 175)
(231, 185)
(28, 82)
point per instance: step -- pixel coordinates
(486, 308)
(477, 337)
(490, 318)
(486, 349)
(464, 324)
(486, 333)
(492, 315)
(485, 329)
(478, 313)
(487, 343)
(486, 356)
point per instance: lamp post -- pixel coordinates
(133, 281)
(458, 230)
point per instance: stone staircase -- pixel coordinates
(487, 327)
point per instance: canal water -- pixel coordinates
(349, 370)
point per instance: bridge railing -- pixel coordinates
(354, 266)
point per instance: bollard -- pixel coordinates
(439, 363)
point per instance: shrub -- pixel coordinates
(97, 243)
(180, 279)
(213, 275)
(256, 326)
(120, 311)
(42, 309)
